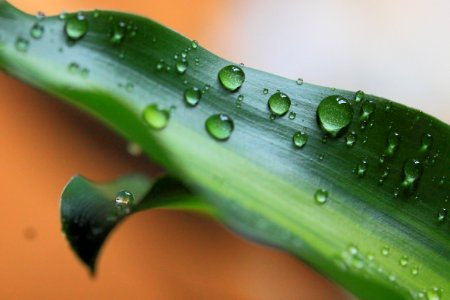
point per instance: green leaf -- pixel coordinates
(89, 211)
(372, 233)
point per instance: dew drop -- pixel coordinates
(359, 96)
(334, 114)
(124, 198)
(321, 196)
(300, 139)
(129, 87)
(231, 77)
(192, 96)
(134, 149)
(22, 45)
(367, 109)
(181, 67)
(118, 33)
(279, 103)
(37, 31)
(361, 168)
(350, 139)
(73, 68)
(155, 117)
(427, 142)
(412, 170)
(299, 81)
(219, 126)
(392, 143)
(385, 251)
(265, 91)
(415, 271)
(292, 115)
(434, 294)
(442, 215)
(194, 44)
(404, 261)
(76, 27)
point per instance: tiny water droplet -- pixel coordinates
(194, 44)
(155, 117)
(124, 198)
(129, 87)
(385, 251)
(231, 77)
(325, 138)
(404, 261)
(192, 96)
(350, 139)
(134, 149)
(265, 91)
(279, 104)
(219, 126)
(434, 294)
(359, 96)
(84, 73)
(335, 114)
(392, 278)
(292, 115)
(299, 81)
(415, 271)
(321, 156)
(300, 139)
(62, 15)
(367, 109)
(22, 45)
(388, 106)
(412, 170)
(37, 31)
(181, 67)
(427, 142)
(352, 249)
(361, 168)
(76, 27)
(197, 61)
(73, 68)
(321, 196)
(118, 33)
(442, 215)
(393, 142)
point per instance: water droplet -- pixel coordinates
(404, 261)
(412, 170)
(393, 141)
(279, 103)
(427, 141)
(265, 91)
(350, 139)
(22, 44)
(124, 198)
(299, 81)
(325, 138)
(321, 196)
(361, 168)
(392, 278)
(129, 87)
(219, 126)
(231, 77)
(134, 149)
(367, 109)
(155, 117)
(84, 73)
(73, 68)
(359, 96)
(62, 15)
(300, 139)
(192, 96)
(352, 249)
(415, 271)
(442, 215)
(434, 294)
(321, 156)
(76, 27)
(181, 67)
(335, 114)
(118, 33)
(396, 192)
(37, 31)
(385, 251)
(194, 44)
(197, 61)
(292, 115)
(384, 175)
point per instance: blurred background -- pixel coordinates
(396, 49)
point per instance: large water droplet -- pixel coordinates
(300, 139)
(442, 215)
(231, 77)
(37, 31)
(393, 141)
(192, 96)
(124, 198)
(219, 126)
(335, 114)
(155, 117)
(22, 45)
(76, 27)
(321, 196)
(412, 170)
(118, 33)
(279, 103)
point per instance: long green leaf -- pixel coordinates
(380, 236)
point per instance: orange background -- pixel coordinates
(153, 255)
